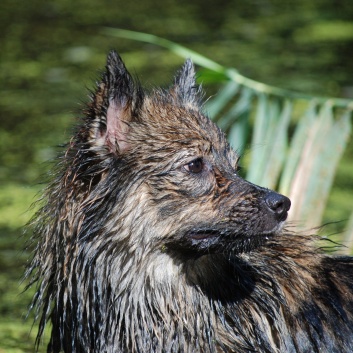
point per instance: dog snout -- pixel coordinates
(278, 204)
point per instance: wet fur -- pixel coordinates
(136, 254)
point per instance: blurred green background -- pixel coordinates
(51, 51)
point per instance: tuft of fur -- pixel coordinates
(149, 241)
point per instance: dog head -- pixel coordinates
(164, 171)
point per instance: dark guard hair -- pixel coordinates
(149, 241)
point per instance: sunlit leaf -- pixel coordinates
(239, 132)
(296, 147)
(258, 138)
(277, 148)
(300, 188)
(215, 104)
(242, 105)
(332, 142)
(173, 47)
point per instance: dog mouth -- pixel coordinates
(203, 235)
(204, 239)
(226, 240)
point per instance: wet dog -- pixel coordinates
(150, 241)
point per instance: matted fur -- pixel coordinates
(149, 241)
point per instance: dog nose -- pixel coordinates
(278, 203)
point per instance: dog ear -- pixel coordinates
(185, 89)
(110, 110)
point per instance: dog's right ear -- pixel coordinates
(185, 89)
(111, 108)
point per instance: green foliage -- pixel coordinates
(16, 336)
(325, 31)
(15, 201)
(325, 142)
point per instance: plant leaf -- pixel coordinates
(325, 166)
(277, 148)
(173, 47)
(242, 105)
(216, 104)
(296, 146)
(258, 138)
(239, 132)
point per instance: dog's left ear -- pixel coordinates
(185, 89)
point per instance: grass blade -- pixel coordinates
(239, 133)
(215, 105)
(242, 105)
(315, 172)
(300, 190)
(296, 147)
(267, 117)
(325, 166)
(173, 47)
(258, 138)
(277, 149)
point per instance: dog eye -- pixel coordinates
(196, 166)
